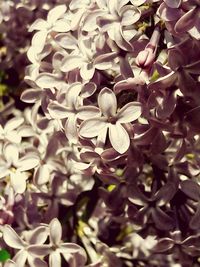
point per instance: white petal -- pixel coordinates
(92, 127)
(38, 25)
(20, 258)
(28, 162)
(46, 80)
(13, 124)
(62, 25)
(55, 231)
(38, 42)
(11, 238)
(88, 112)
(18, 181)
(4, 171)
(42, 175)
(130, 112)
(58, 111)
(107, 102)
(56, 13)
(72, 94)
(87, 71)
(10, 263)
(11, 152)
(38, 235)
(69, 248)
(55, 259)
(70, 63)
(119, 138)
(66, 40)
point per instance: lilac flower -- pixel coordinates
(118, 21)
(13, 240)
(56, 248)
(15, 167)
(56, 21)
(9, 131)
(112, 120)
(73, 110)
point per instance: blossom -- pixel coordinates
(56, 248)
(112, 120)
(13, 240)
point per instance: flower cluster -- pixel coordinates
(101, 166)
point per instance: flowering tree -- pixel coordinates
(99, 160)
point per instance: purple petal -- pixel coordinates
(173, 3)
(39, 250)
(187, 21)
(163, 245)
(191, 189)
(31, 95)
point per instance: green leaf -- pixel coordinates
(4, 255)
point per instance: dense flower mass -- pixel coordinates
(99, 160)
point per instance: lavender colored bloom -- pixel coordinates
(112, 120)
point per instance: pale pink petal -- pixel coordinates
(130, 15)
(28, 162)
(130, 112)
(87, 71)
(119, 138)
(38, 42)
(13, 124)
(107, 102)
(92, 127)
(11, 152)
(47, 80)
(56, 13)
(58, 111)
(4, 171)
(72, 94)
(55, 231)
(66, 40)
(71, 129)
(88, 112)
(69, 248)
(62, 25)
(105, 61)
(11, 238)
(89, 23)
(38, 25)
(38, 235)
(18, 181)
(10, 263)
(55, 259)
(31, 95)
(42, 175)
(20, 258)
(71, 62)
